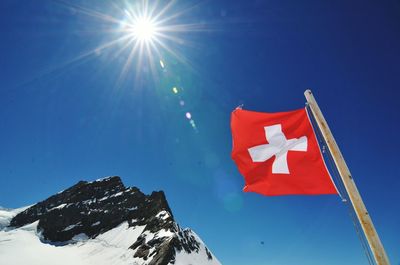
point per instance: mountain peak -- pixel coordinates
(107, 179)
(94, 208)
(91, 208)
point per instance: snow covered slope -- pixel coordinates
(6, 215)
(145, 234)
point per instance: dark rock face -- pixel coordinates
(92, 208)
(96, 207)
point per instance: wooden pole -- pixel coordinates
(361, 211)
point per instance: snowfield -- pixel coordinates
(7, 214)
(23, 246)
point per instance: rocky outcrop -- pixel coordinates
(92, 208)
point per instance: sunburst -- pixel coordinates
(141, 32)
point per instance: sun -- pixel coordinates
(141, 34)
(144, 29)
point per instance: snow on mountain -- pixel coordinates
(96, 223)
(7, 214)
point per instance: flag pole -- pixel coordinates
(363, 216)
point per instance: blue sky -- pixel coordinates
(65, 117)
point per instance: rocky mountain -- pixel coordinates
(91, 220)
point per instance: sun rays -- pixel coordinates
(139, 32)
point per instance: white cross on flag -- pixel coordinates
(278, 153)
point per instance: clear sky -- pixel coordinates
(69, 112)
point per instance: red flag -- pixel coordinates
(278, 153)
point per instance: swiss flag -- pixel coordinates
(278, 153)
